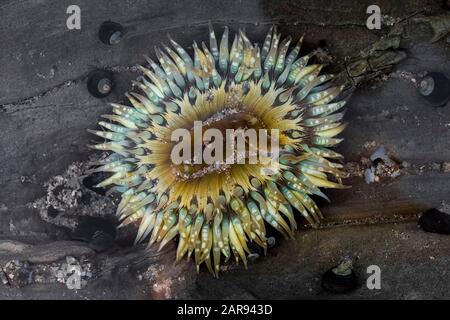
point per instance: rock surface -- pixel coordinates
(45, 110)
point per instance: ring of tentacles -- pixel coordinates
(214, 214)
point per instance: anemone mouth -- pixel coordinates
(215, 208)
(229, 122)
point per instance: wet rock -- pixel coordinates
(435, 221)
(378, 165)
(74, 273)
(70, 271)
(447, 4)
(18, 273)
(47, 253)
(93, 179)
(98, 232)
(3, 278)
(72, 195)
(369, 175)
(13, 246)
(126, 235)
(446, 167)
(341, 278)
(101, 241)
(379, 153)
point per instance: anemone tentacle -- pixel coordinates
(214, 213)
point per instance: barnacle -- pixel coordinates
(215, 210)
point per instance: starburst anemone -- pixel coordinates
(215, 211)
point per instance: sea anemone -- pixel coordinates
(216, 210)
